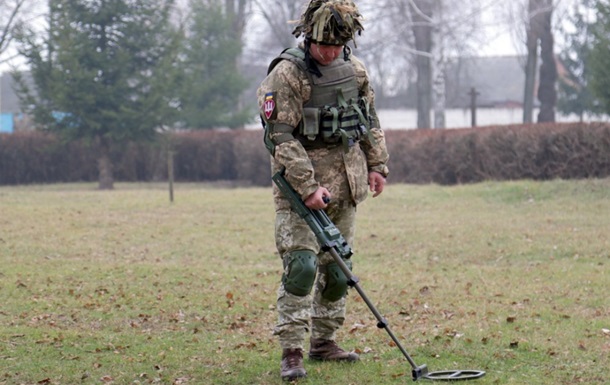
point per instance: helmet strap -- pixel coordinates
(309, 62)
(347, 50)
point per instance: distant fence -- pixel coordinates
(536, 151)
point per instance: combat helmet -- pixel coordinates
(332, 22)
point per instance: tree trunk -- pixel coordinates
(438, 70)
(439, 92)
(104, 166)
(422, 31)
(237, 11)
(547, 93)
(532, 61)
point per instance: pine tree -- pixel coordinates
(575, 95)
(212, 83)
(599, 75)
(103, 73)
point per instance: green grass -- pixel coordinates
(124, 287)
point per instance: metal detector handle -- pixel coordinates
(327, 234)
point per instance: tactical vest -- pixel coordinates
(335, 114)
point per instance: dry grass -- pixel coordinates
(123, 287)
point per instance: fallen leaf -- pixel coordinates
(355, 327)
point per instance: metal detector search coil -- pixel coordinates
(330, 239)
(453, 375)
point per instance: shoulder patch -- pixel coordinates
(269, 105)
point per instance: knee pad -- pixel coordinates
(299, 272)
(336, 282)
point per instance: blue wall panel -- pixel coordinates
(6, 123)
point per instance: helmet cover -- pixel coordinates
(331, 22)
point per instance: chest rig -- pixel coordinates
(335, 114)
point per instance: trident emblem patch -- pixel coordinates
(269, 105)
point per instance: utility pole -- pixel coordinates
(473, 106)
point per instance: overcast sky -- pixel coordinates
(502, 37)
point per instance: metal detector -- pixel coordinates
(331, 240)
(417, 371)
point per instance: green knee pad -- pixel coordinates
(299, 271)
(336, 282)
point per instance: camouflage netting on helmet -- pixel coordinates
(333, 22)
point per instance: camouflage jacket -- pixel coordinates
(344, 174)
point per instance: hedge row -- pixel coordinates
(35, 157)
(536, 151)
(574, 150)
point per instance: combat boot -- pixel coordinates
(327, 350)
(292, 364)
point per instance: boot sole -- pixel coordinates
(346, 359)
(294, 377)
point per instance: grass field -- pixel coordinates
(124, 287)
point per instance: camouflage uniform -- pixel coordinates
(344, 174)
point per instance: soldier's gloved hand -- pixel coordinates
(316, 200)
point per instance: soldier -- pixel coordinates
(318, 110)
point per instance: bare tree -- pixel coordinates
(237, 10)
(10, 12)
(547, 92)
(439, 31)
(531, 42)
(277, 16)
(438, 67)
(421, 23)
(538, 17)
(539, 41)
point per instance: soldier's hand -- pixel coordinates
(316, 200)
(376, 183)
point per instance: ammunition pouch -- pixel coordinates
(345, 123)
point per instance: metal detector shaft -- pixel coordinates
(353, 281)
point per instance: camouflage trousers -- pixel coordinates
(297, 316)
